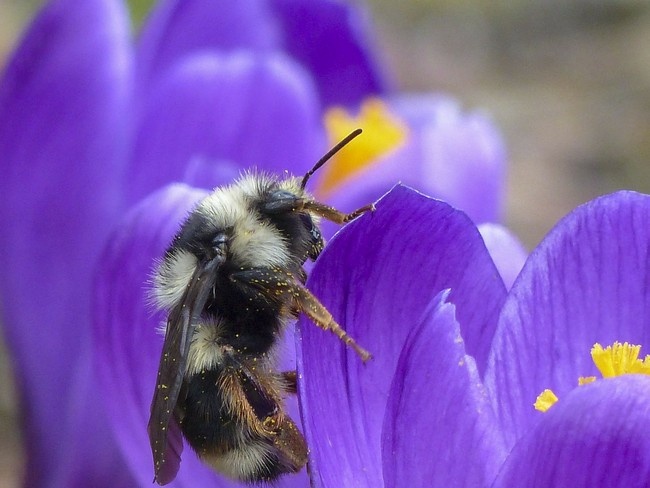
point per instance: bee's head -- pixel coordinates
(316, 238)
(282, 207)
(218, 247)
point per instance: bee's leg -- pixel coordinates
(282, 201)
(336, 216)
(302, 276)
(316, 311)
(277, 284)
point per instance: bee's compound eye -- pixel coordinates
(281, 195)
(315, 234)
(279, 202)
(220, 243)
(309, 225)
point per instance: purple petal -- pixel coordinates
(179, 28)
(377, 277)
(127, 344)
(333, 40)
(506, 251)
(587, 282)
(463, 156)
(451, 155)
(247, 110)
(439, 428)
(595, 436)
(205, 173)
(63, 100)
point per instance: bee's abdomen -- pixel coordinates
(224, 441)
(207, 424)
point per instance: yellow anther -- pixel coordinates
(383, 132)
(545, 400)
(615, 360)
(641, 367)
(585, 380)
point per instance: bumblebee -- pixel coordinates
(231, 281)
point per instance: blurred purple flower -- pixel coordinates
(457, 156)
(448, 399)
(90, 124)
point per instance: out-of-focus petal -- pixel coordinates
(249, 110)
(179, 28)
(63, 99)
(333, 40)
(127, 344)
(463, 156)
(506, 249)
(452, 155)
(595, 436)
(377, 277)
(586, 282)
(439, 429)
(205, 173)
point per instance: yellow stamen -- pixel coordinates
(615, 360)
(545, 400)
(641, 367)
(382, 132)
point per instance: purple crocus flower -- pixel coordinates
(90, 124)
(459, 361)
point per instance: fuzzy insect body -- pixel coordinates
(231, 280)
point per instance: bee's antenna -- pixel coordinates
(328, 156)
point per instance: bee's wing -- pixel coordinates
(164, 431)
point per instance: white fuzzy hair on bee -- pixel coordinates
(231, 280)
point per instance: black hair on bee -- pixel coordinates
(231, 280)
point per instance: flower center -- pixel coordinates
(383, 132)
(615, 360)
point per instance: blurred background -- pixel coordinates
(567, 82)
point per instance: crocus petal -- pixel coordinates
(333, 40)
(249, 110)
(178, 28)
(585, 283)
(464, 159)
(506, 249)
(376, 277)
(439, 429)
(126, 340)
(595, 436)
(452, 155)
(63, 100)
(330, 38)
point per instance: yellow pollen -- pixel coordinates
(642, 367)
(382, 133)
(615, 360)
(618, 359)
(545, 400)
